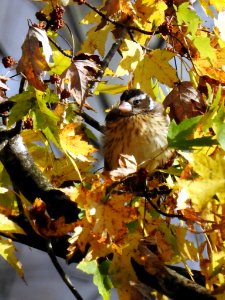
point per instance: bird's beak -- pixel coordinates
(125, 107)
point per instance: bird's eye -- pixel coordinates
(137, 101)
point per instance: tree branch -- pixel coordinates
(61, 272)
(155, 275)
(29, 180)
(118, 24)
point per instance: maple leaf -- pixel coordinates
(96, 40)
(7, 251)
(33, 63)
(132, 53)
(189, 17)
(154, 65)
(209, 183)
(66, 167)
(184, 102)
(74, 140)
(44, 225)
(150, 13)
(105, 220)
(213, 70)
(128, 165)
(119, 9)
(79, 75)
(8, 226)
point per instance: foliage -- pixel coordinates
(181, 209)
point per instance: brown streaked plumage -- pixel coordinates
(138, 126)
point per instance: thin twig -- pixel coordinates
(61, 272)
(180, 217)
(92, 122)
(118, 24)
(133, 39)
(59, 48)
(115, 47)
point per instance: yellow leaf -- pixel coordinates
(121, 270)
(61, 62)
(151, 13)
(7, 251)
(219, 5)
(210, 182)
(119, 9)
(132, 53)
(90, 18)
(109, 88)
(76, 143)
(215, 70)
(155, 65)
(96, 40)
(8, 226)
(60, 169)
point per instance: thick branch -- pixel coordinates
(29, 180)
(155, 275)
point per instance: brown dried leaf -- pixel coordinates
(78, 76)
(44, 225)
(184, 102)
(3, 87)
(33, 63)
(128, 165)
(3, 80)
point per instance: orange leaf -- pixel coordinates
(32, 63)
(119, 8)
(44, 225)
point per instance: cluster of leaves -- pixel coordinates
(116, 212)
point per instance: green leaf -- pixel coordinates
(100, 275)
(61, 62)
(48, 96)
(179, 136)
(44, 118)
(47, 123)
(189, 17)
(23, 103)
(185, 128)
(202, 43)
(216, 120)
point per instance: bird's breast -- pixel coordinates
(144, 136)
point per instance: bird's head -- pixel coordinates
(133, 102)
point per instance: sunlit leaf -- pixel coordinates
(132, 53)
(154, 65)
(23, 103)
(79, 75)
(189, 17)
(100, 276)
(96, 40)
(33, 63)
(8, 226)
(7, 251)
(109, 88)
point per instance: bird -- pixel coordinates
(138, 126)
